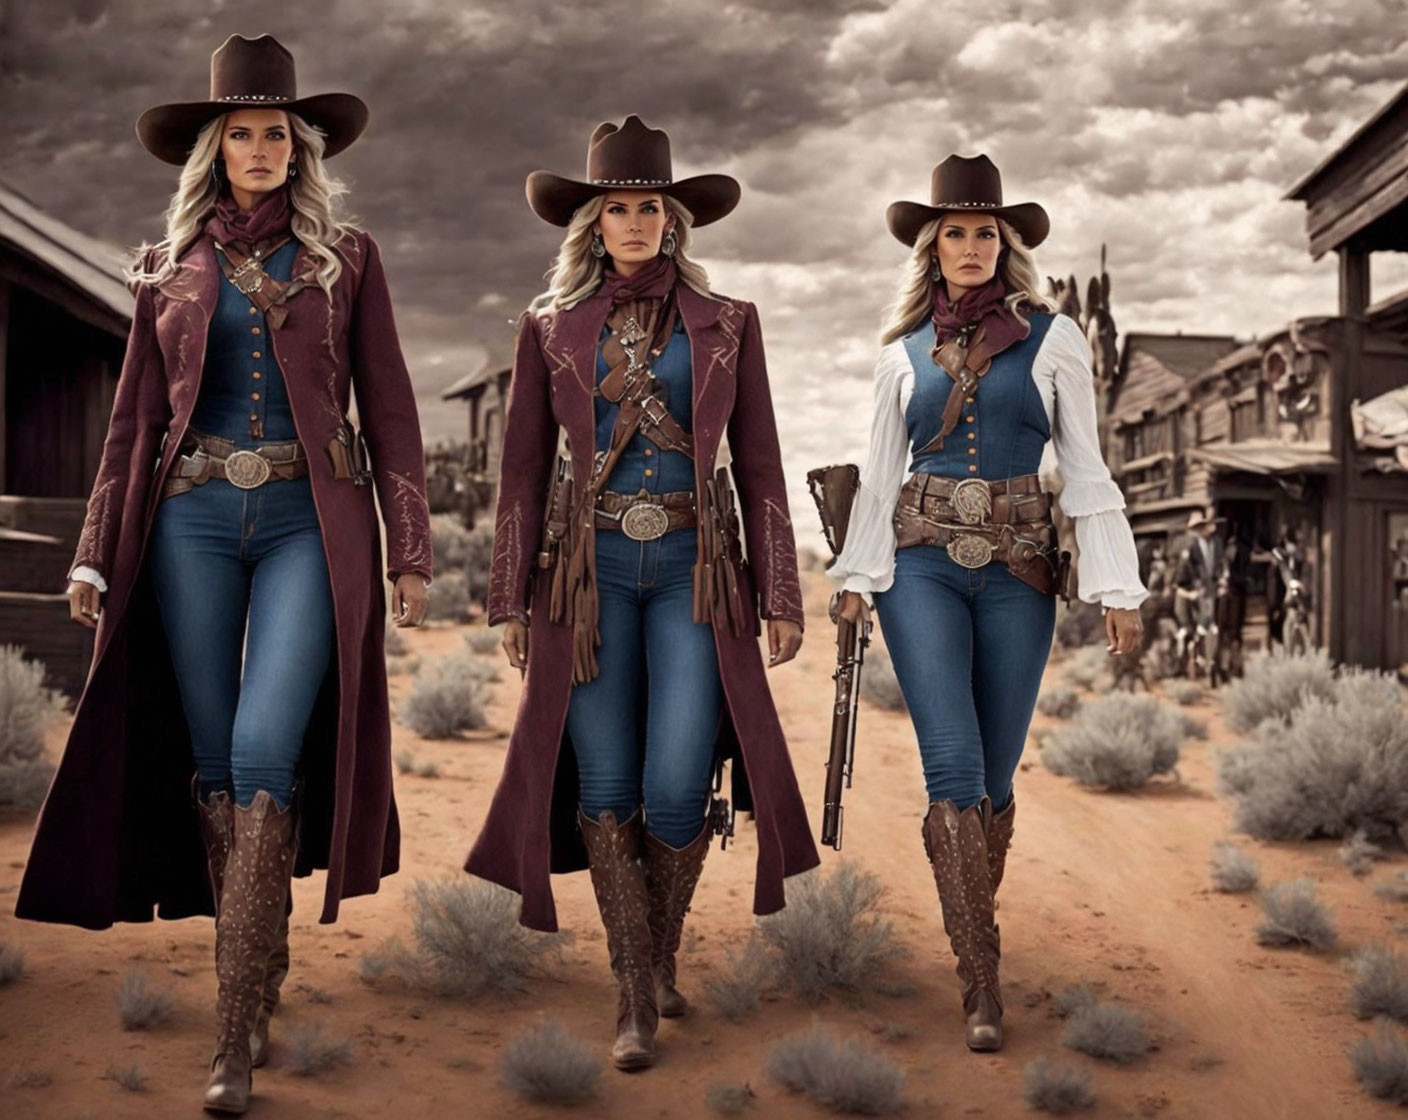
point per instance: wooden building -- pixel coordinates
(1263, 432)
(65, 313)
(485, 392)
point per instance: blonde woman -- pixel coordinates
(619, 579)
(952, 535)
(230, 559)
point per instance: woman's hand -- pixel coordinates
(84, 603)
(784, 640)
(852, 608)
(1124, 629)
(516, 643)
(409, 600)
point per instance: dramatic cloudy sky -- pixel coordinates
(1166, 129)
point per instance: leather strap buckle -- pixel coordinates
(972, 502)
(247, 470)
(645, 521)
(968, 550)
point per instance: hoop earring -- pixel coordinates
(669, 245)
(293, 169)
(936, 273)
(598, 245)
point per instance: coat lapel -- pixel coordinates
(570, 347)
(714, 327)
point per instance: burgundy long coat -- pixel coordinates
(118, 834)
(531, 827)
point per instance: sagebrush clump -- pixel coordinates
(546, 1063)
(842, 1075)
(1380, 1062)
(1359, 853)
(1380, 984)
(878, 683)
(729, 1098)
(467, 941)
(735, 992)
(1233, 871)
(26, 707)
(448, 597)
(1087, 665)
(484, 641)
(1339, 766)
(1117, 743)
(1274, 685)
(1103, 1030)
(1058, 1089)
(1185, 693)
(314, 1050)
(448, 699)
(1060, 703)
(831, 934)
(140, 1008)
(1294, 916)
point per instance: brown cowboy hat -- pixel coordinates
(250, 74)
(973, 184)
(631, 157)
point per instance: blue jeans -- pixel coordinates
(969, 647)
(649, 643)
(242, 585)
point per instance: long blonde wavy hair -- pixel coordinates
(314, 194)
(914, 302)
(575, 274)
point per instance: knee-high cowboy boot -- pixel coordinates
(999, 841)
(277, 970)
(252, 907)
(671, 874)
(216, 828)
(618, 879)
(957, 846)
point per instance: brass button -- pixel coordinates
(257, 375)
(649, 451)
(254, 330)
(972, 451)
(257, 354)
(972, 435)
(967, 400)
(254, 311)
(970, 419)
(254, 416)
(648, 473)
(254, 396)
(972, 468)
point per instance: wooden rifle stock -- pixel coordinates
(851, 640)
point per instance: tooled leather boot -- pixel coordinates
(957, 846)
(999, 841)
(252, 907)
(216, 829)
(613, 851)
(671, 874)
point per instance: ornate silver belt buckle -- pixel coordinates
(972, 502)
(645, 522)
(970, 551)
(247, 469)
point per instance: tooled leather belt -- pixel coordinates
(972, 501)
(205, 457)
(645, 516)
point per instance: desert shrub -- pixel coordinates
(467, 941)
(545, 1063)
(130, 1077)
(449, 542)
(26, 706)
(1062, 703)
(729, 1098)
(1380, 1062)
(477, 563)
(1193, 727)
(878, 683)
(25, 784)
(1185, 693)
(1117, 743)
(1103, 1030)
(448, 699)
(448, 597)
(842, 1076)
(138, 1007)
(1068, 1001)
(427, 770)
(1233, 871)
(1393, 890)
(1080, 624)
(1339, 766)
(1358, 853)
(1294, 916)
(1087, 665)
(484, 641)
(399, 666)
(1273, 685)
(736, 991)
(831, 933)
(312, 1050)
(11, 963)
(405, 762)
(1057, 1089)
(395, 643)
(1380, 983)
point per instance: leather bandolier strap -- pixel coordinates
(966, 360)
(247, 274)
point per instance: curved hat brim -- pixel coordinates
(169, 131)
(707, 197)
(1031, 222)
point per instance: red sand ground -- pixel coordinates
(1107, 889)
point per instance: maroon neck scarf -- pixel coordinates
(243, 229)
(985, 304)
(651, 281)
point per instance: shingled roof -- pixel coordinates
(1156, 368)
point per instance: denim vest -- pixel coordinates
(1002, 433)
(643, 466)
(239, 362)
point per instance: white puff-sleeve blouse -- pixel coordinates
(1109, 565)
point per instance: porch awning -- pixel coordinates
(1267, 456)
